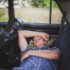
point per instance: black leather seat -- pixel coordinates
(64, 45)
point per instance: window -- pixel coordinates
(37, 11)
(56, 14)
(3, 10)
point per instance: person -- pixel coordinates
(40, 57)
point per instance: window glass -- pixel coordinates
(36, 11)
(56, 14)
(3, 10)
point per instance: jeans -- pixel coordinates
(36, 63)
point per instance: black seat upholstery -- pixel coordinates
(64, 45)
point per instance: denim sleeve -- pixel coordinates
(54, 48)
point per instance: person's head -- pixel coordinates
(39, 41)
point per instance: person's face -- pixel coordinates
(39, 41)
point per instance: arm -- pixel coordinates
(27, 33)
(49, 54)
(22, 34)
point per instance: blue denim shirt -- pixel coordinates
(37, 63)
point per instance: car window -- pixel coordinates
(56, 14)
(3, 10)
(37, 11)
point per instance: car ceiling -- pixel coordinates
(65, 7)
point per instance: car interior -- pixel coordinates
(59, 36)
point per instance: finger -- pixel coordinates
(47, 36)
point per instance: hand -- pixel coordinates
(45, 36)
(26, 55)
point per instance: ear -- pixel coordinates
(45, 42)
